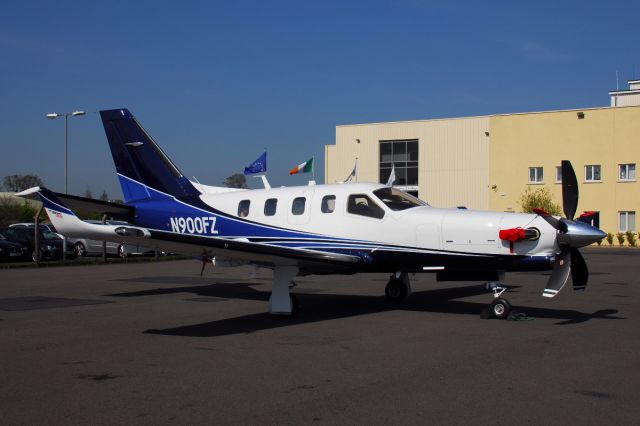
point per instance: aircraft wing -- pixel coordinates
(257, 253)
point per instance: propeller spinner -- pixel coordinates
(571, 235)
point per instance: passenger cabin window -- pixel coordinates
(297, 208)
(328, 204)
(270, 206)
(396, 199)
(243, 208)
(362, 205)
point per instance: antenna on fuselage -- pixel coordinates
(265, 182)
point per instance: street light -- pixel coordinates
(53, 116)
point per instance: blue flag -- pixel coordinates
(258, 166)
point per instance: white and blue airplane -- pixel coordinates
(323, 229)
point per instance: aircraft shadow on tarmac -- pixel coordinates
(317, 307)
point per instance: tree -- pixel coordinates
(104, 196)
(14, 210)
(88, 193)
(539, 198)
(236, 180)
(16, 183)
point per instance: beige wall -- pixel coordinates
(606, 136)
(460, 165)
(453, 157)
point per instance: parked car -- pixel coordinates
(126, 249)
(47, 226)
(87, 247)
(50, 242)
(10, 250)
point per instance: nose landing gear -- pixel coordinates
(499, 307)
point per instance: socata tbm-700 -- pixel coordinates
(324, 229)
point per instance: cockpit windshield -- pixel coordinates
(397, 200)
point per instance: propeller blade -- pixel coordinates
(559, 275)
(569, 190)
(579, 270)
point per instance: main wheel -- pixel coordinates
(80, 249)
(500, 308)
(395, 290)
(121, 252)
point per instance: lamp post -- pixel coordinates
(53, 116)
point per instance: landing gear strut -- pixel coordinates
(282, 302)
(398, 287)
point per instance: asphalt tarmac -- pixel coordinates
(155, 343)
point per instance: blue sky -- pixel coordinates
(216, 82)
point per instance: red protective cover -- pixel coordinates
(512, 234)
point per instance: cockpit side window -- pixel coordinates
(362, 205)
(397, 200)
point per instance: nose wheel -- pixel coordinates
(499, 307)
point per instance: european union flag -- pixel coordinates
(258, 166)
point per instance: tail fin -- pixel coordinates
(61, 216)
(144, 170)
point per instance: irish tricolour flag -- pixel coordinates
(306, 167)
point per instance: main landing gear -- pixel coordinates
(399, 287)
(499, 307)
(282, 302)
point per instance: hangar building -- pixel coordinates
(487, 162)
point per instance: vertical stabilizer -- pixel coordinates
(144, 170)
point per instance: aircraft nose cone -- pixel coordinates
(580, 234)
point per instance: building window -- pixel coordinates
(362, 205)
(297, 208)
(558, 174)
(270, 206)
(536, 174)
(627, 221)
(243, 208)
(402, 157)
(592, 173)
(328, 204)
(627, 172)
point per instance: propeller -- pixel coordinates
(571, 235)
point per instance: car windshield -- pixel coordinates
(48, 235)
(397, 200)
